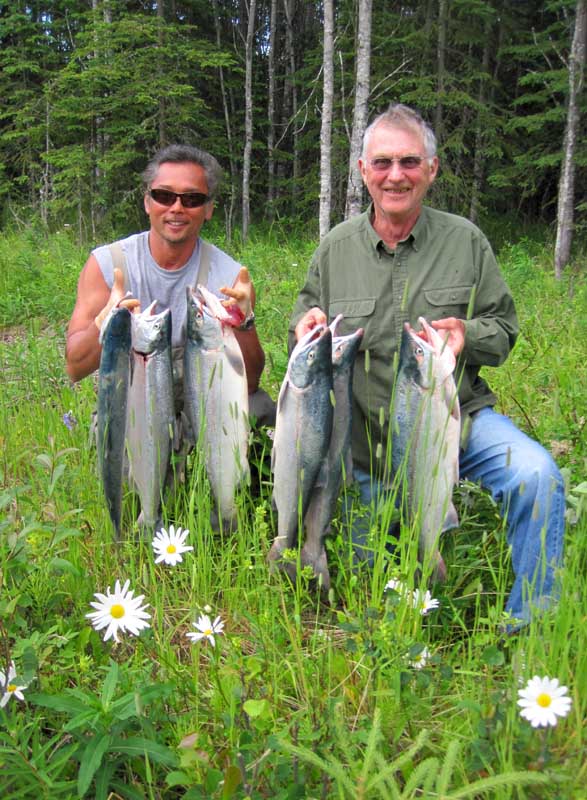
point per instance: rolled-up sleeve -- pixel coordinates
(492, 327)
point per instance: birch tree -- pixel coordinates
(271, 110)
(354, 196)
(566, 192)
(248, 119)
(326, 124)
(227, 126)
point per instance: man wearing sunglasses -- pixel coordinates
(181, 183)
(400, 260)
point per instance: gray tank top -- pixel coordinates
(147, 281)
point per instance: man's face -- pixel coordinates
(397, 193)
(176, 224)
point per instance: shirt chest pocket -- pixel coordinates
(356, 313)
(449, 301)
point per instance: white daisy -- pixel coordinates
(119, 611)
(169, 547)
(206, 629)
(543, 700)
(419, 661)
(8, 687)
(424, 601)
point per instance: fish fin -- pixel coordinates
(322, 476)
(451, 520)
(451, 399)
(235, 359)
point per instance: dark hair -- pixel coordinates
(180, 153)
(400, 116)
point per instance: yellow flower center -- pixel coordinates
(544, 700)
(11, 687)
(208, 632)
(171, 548)
(117, 611)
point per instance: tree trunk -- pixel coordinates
(248, 119)
(161, 111)
(440, 65)
(326, 125)
(354, 195)
(271, 112)
(232, 161)
(478, 158)
(288, 6)
(566, 191)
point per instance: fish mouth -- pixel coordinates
(211, 305)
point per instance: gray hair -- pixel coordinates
(181, 153)
(404, 117)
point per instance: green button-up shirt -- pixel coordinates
(444, 268)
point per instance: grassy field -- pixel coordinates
(297, 699)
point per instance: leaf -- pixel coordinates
(492, 656)
(61, 565)
(90, 762)
(58, 703)
(137, 746)
(109, 685)
(232, 779)
(257, 708)
(177, 778)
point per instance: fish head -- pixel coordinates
(345, 348)
(445, 359)
(151, 332)
(425, 358)
(311, 357)
(230, 315)
(116, 326)
(203, 326)
(195, 314)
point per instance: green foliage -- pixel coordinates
(86, 95)
(357, 696)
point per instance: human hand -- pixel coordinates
(455, 332)
(240, 295)
(311, 319)
(117, 297)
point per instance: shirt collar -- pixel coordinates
(416, 237)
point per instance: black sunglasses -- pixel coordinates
(165, 197)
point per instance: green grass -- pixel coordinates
(299, 699)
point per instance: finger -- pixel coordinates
(243, 276)
(235, 294)
(131, 303)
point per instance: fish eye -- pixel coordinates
(311, 355)
(419, 351)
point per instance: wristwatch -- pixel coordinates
(248, 322)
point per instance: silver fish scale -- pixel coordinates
(113, 382)
(425, 439)
(151, 412)
(302, 434)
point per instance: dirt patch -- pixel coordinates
(10, 335)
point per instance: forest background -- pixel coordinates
(89, 89)
(365, 697)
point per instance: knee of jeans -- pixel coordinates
(535, 473)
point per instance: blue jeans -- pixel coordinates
(523, 478)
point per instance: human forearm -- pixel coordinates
(253, 356)
(82, 352)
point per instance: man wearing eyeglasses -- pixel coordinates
(400, 260)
